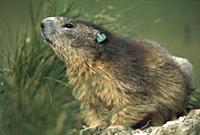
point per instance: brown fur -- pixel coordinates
(119, 82)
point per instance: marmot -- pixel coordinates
(119, 81)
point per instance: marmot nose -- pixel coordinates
(42, 25)
(47, 22)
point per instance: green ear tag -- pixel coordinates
(101, 37)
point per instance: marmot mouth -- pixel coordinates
(46, 40)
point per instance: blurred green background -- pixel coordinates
(34, 95)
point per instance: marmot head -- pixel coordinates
(73, 38)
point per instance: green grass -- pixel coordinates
(35, 92)
(35, 98)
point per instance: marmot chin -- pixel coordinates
(119, 81)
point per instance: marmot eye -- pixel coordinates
(68, 25)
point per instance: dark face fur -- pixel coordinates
(69, 37)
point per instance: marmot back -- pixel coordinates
(118, 81)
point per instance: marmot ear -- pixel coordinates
(100, 36)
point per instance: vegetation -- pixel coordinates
(35, 98)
